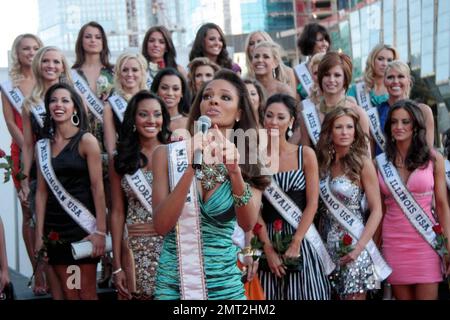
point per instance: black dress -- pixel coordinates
(72, 172)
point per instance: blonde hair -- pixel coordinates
(315, 60)
(369, 73)
(248, 57)
(123, 58)
(15, 73)
(38, 91)
(280, 71)
(403, 68)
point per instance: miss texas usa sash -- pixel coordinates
(39, 113)
(354, 226)
(312, 120)
(119, 105)
(14, 95)
(375, 127)
(292, 214)
(141, 188)
(74, 208)
(94, 104)
(447, 173)
(304, 76)
(362, 96)
(410, 208)
(188, 233)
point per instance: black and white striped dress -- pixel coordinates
(309, 282)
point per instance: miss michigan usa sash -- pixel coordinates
(188, 233)
(141, 188)
(304, 76)
(312, 120)
(94, 104)
(38, 111)
(292, 214)
(119, 105)
(14, 95)
(353, 225)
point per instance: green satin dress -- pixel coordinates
(376, 100)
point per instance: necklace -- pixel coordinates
(209, 176)
(178, 116)
(324, 108)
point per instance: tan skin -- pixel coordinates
(61, 109)
(402, 132)
(93, 46)
(380, 63)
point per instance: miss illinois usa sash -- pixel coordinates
(447, 173)
(188, 233)
(304, 76)
(362, 96)
(74, 208)
(94, 104)
(38, 111)
(410, 208)
(119, 105)
(312, 120)
(353, 225)
(141, 188)
(13, 94)
(292, 214)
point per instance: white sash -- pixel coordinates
(362, 96)
(39, 113)
(14, 95)
(119, 105)
(292, 214)
(447, 173)
(411, 209)
(149, 80)
(94, 104)
(141, 188)
(188, 233)
(74, 208)
(354, 226)
(312, 120)
(375, 127)
(304, 76)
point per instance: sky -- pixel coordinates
(16, 17)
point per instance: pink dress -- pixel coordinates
(411, 258)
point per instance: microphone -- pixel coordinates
(203, 124)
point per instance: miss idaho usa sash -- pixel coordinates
(362, 96)
(304, 76)
(447, 173)
(312, 120)
(375, 127)
(292, 214)
(354, 226)
(119, 105)
(141, 188)
(14, 95)
(94, 104)
(74, 208)
(39, 113)
(188, 233)
(411, 209)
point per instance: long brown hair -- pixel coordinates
(171, 53)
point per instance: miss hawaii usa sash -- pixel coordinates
(304, 76)
(119, 105)
(312, 120)
(141, 188)
(94, 104)
(14, 95)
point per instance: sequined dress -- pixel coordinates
(357, 276)
(145, 249)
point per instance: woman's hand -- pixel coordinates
(120, 281)
(252, 267)
(98, 244)
(352, 255)
(293, 251)
(24, 192)
(4, 279)
(222, 150)
(273, 260)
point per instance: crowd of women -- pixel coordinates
(357, 201)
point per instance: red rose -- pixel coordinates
(347, 239)
(257, 229)
(437, 229)
(2, 153)
(53, 236)
(278, 225)
(161, 64)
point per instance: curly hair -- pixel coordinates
(15, 73)
(169, 55)
(193, 65)
(369, 73)
(129, 157)
(418, 154)
(352, 162)
(121, 60)
(307, 40)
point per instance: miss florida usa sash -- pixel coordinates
(354, 226)
(13, 94)
(141, 188)
(39, 113)
(119, 105)
(312, 120)
(447, 173)
(411, 209)
(304, 76)
(74, 208)
(292, 214)
(94, 104)
(188, 233)
(362, 96)
(375, 127)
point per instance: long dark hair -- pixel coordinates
(129, 157)
(79, 51)
(49, 125)
(198, 48)
(184, 104)
(289, 102)
(418, 154)
(170, 54)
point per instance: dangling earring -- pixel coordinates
(289, 132)
(134, 128)
(274, 74)
(331, 150)
(237, 120)
(75, 119)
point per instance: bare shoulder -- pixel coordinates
(308, 152)
(351, 101)
(425, 108)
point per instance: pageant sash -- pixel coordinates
(353, 225)
(312, 120)
(94, 104)
(119, 105)
(362, 96)
(149, 79)
(141, 189)
(375, 127)
(188, 233)
(292, 214)
(39, 113)
(304, 76)
(74, 208)
(447, 173)
(411, 209)
(14, 95)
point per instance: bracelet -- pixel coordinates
(117, 271)
(240, 201)
(100, 233)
